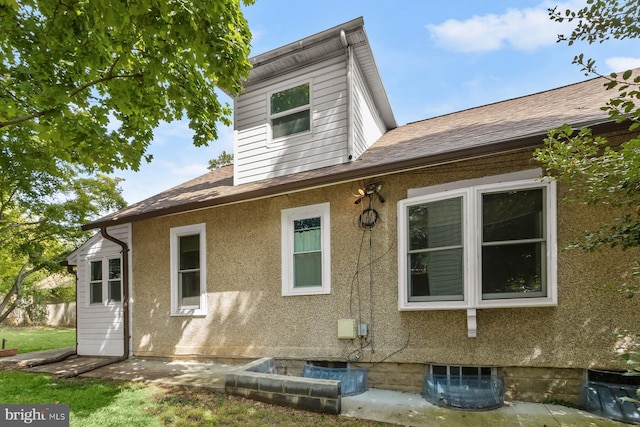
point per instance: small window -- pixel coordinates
(188, 273)
(305, 250)
(115, 280)
(105, 282)
(95, 282)
(290, 111)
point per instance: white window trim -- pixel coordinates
(321, 210)
(175, 233)
(472, 240)
(270, 117)
(104, 257)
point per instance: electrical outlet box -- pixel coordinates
(346, 329)
(363, 329)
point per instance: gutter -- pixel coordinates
(125, 312)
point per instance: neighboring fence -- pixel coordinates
(63, 314)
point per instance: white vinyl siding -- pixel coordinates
(257, 157)
(367, 124)
(99, 326)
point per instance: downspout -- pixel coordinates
(125, 312)
(349, 53)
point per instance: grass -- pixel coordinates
(113, 403)
(28, 339)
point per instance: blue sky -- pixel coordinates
(434, 58)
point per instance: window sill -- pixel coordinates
(307, 291)
(188, 313)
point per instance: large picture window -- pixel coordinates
(305, 250)
(489, 245)
(290, 111)
(188, 272)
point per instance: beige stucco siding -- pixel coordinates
(248, 316)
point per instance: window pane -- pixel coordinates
(290, 98)
(95, 293)
(290, 124)
(307, 235)
(513, 215)
(513, 271)
(189, 289)
(439, 370)
(114, 268)
(436, 276)
(115, 291)
(189, 252)
(435, 224)
(96, 271)
(307, 269)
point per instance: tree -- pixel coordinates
(223, 159)
(596, 170)
(90, 80)
(39, 226)
(83, 84)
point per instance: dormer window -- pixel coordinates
(290, 111)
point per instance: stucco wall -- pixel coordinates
(247, 315)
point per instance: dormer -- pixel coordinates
(310, 104)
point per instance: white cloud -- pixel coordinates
(523, 29)
(622, 63)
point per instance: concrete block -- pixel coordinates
(331, 391)
(310, 404)
(248, 381)
(300, 387)
(332, 406)
(289, 400)
(275, 385)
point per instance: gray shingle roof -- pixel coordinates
(499, 127)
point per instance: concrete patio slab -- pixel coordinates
(375, 404)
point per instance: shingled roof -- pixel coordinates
(500, 127)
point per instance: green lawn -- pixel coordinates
(28, 339)
(111, 403)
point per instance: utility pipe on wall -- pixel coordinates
(349, 53)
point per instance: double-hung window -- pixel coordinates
(306, 256)
(490, 245)
(105, 280)
(188, 270)
(290, 111)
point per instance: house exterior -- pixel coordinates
(340, 237)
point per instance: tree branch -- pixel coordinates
(73, 93)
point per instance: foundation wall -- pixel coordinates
(520, 383)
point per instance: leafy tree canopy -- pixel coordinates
(87, 81)
(83, 84)
(597, 170)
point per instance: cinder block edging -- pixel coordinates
(257, 381)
